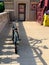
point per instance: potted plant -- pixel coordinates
(2, 8)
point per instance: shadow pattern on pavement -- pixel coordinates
(26, 51)
(37, 49)
(27, 54)
(6, 46)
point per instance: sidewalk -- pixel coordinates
(33, 48)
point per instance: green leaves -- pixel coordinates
(1, 6)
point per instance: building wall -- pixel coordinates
(30, 15)
(4, 19)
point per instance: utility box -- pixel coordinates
(46, 20)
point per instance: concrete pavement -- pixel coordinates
(33, 48)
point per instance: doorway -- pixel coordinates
(21, 11)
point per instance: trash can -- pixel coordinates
(46, 19)
(2, 8)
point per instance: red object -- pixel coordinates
(41, 8)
